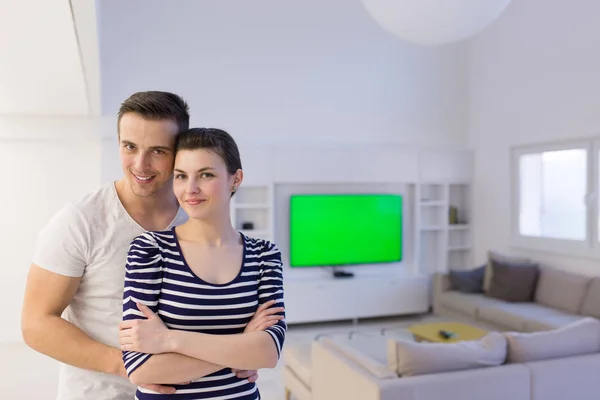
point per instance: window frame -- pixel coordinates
(588, 247)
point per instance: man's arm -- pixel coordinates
(172, 369)
(47, 294)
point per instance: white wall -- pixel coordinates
(533, 78)
(44, 163)
(280, 72)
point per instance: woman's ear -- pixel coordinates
(238, 178)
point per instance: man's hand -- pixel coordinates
(149, 336)
(252, 375)
(160, 389)
(264, 318)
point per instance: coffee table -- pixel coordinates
(430, 332)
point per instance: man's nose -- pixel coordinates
(142, 162)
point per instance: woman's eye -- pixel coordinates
(206, 175)
(179, 176)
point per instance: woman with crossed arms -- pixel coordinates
(203, 289)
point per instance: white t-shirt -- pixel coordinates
(90, 238)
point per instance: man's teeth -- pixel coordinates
(141, 178)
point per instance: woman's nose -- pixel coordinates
(193, 186)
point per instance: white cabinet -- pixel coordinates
(330, 299)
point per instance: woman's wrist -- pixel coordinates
(172, 341)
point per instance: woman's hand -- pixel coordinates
(264, 318)
(148, 336)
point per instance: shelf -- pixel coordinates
(443, 214)
(432, 192)
(432, 203)
(459, 248)
(251, 206)
(255, 232)
(432, 228)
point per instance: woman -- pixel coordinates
(218, 293)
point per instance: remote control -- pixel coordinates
(446, 334)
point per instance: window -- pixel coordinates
(552, 185)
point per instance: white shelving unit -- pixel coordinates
(442, 243)
(253, 204)
(460, 254)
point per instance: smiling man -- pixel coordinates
(74, 294)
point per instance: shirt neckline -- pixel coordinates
(204, 282)
(132, 221)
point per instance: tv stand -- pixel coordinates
(368, 294)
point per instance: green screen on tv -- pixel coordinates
(343, 229)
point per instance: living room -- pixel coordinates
(322, 100)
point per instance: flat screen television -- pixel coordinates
(345, 229)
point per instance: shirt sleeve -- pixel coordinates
(143, 279)
(62, 245)
(270, 287)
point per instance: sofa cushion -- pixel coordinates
(367, 351)
(561, 289)
(505, 382)
(298, 359)
(418, 358)
(497, 256)
(467, 281)
(513, 282)
(466, 303)
(591, 300)
(577, 338)
(548, 322)
(565, 378)
(515, 315)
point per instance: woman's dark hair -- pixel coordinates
(216, 140)
(157, 106)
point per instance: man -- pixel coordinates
(74, 292)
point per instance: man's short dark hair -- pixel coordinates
(157, 106)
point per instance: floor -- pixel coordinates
(19, 364)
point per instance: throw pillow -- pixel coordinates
(496, 256)
(513, 282)
(579, 337)
(419, 358)
(591, 302)
(470, 281)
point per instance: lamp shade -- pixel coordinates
(434, 22)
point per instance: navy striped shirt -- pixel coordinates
(158, 276)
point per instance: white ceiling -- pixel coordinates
(43, 70)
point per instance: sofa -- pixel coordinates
(556, 298)
(538, 310)
(348, 368)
